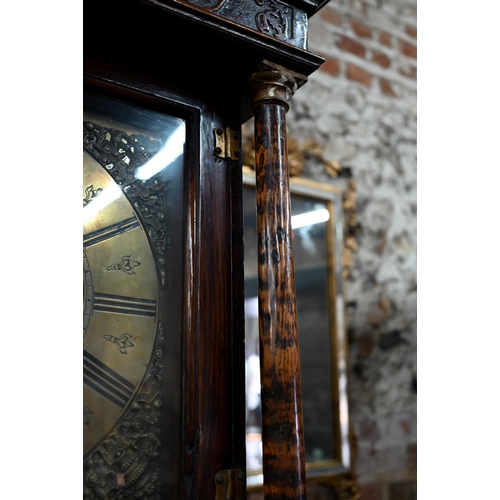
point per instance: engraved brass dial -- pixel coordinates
(133, 171)
(120, 303)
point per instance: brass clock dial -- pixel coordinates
(120, 303)
(133, 170)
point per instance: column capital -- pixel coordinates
(271, 83)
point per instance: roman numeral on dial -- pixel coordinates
(106, 302)
(110, 231)
(106, 381)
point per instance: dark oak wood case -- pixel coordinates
(185, 58)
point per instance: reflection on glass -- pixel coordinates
(317, 241)
(100, 198)
(170, 151)
(133, 170)
(309, 218)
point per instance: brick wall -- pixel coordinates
(373, 43)
(361, 108)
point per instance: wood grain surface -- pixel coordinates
(283, 445)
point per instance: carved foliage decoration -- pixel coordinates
(210, 5)
(353, 227)
(347, 489)
(126, 464)
(275, 19)
(298, 154)
(272, 17)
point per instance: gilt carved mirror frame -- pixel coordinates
(319, 261)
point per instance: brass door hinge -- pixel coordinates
(230, 485)
(227, 143)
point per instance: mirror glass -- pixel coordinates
(317, 246)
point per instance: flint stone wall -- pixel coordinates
(361, 107)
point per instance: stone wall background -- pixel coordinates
(361, 107)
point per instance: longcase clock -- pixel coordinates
(167, 85)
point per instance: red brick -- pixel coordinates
(385, 38)
(381, 59)
(331, 16)
(370, 491)
(350, 45)
(330, 66)
(361, 30)
(408, 49)
(386, 88)
(357, 74)
(411, 31)
(410, 73)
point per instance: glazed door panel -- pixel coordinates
(163, 333)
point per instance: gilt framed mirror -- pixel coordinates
(318, 240)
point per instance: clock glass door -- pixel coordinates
(133, 232)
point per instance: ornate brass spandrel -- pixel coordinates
(122, 154)
(127, 462)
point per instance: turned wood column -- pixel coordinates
(272, 87)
